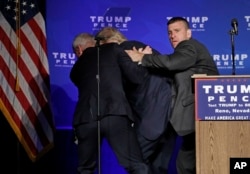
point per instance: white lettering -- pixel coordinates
(110, 19)
(247, 18)
(230, 89)
(227, 57)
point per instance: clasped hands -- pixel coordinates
(137, 54)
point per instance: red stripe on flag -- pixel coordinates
(35, 88)
(39, 33)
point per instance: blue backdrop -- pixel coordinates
(145, 21)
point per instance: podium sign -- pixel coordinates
(222, 111)
(223, 98)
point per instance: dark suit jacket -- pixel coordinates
(189, 57)
(151, 99)
(114, 63)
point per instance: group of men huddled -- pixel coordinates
(139, 99)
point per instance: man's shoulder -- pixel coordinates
(195, 41)
(190, 42)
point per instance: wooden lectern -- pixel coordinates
(222, 110)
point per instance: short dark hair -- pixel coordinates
(177, 18)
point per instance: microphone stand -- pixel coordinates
(232, 33)
(98, 104)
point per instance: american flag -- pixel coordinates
(24, 75)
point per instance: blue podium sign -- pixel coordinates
(222, 97)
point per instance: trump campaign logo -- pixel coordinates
(114, 17)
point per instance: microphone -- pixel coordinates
(234, 24)
(98, 39)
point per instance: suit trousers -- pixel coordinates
(120, 135)
(186, 160)
(157, 153)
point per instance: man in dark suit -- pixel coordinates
(189, 57)
(151, 102)
(102, 105)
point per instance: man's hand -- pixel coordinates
(137, 55)
(146, 50)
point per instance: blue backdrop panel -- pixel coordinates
(210, 21)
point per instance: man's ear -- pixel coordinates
(189, 33)
(79, 47)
